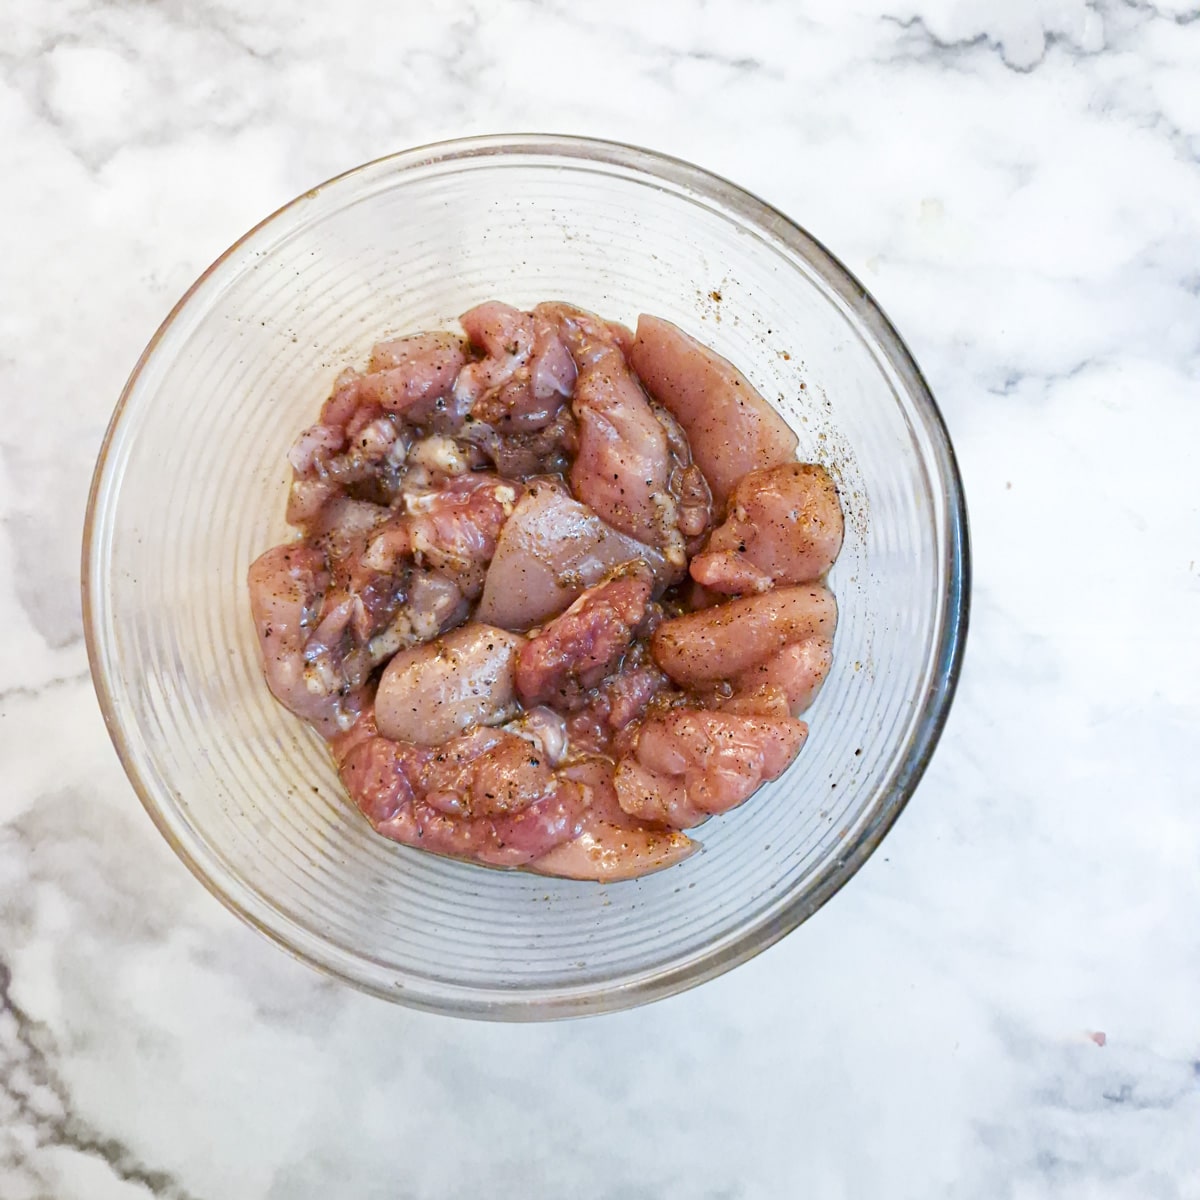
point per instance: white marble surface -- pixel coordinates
(1018, 181)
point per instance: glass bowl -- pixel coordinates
(191, 486)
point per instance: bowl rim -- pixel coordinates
(752, 939)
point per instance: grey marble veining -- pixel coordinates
(1019, 184)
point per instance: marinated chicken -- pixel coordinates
(558, 592)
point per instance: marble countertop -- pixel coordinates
(1005, 1003)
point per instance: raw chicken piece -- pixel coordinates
(546, 451)
(797, 671)
(359, 454)
(410, 374)
(344, 524)
(612, 844)
(616, 704)
(690, 763)
(355, 448)
(766, 701)
(622, 470)
(316, 444)
(484, 796)
(551, 368)
(629, 692)
(784, 526)
(509, 841)
(693, 497)
(366, 612)
(386, 606)
(452, 528)
(731, 428)
(728, 574)
(549, 551)
(505, 335)
(526, 375)
(430, 693)
(287, 585)
(486, 773)
(729, 639)
(577, 650)
(432, 605)
(622, 335)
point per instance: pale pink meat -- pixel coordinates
(410, 374)
(453, 529)
(551, 368)
(546, 729)
(314, 445)
(356, 442)
(344, 522)
(484, 796)
(525, 375)
(549, 551)
(307, 497)
(622, 698)
(630, 691)
(367, 614)
(726, 640)
(688, 764)
(763, 701)
(431, 692)
(731, 428)
(286, 586)
(486, 773)
(797, 671)
(612, 845)
(784, 526)
(335, 454)
(360, 602)
(728, 573)
(688, 487)
(505, 335)
(509, 841)
(623, 467)
(622, 335)
(576, 650)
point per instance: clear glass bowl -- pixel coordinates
(191, 484)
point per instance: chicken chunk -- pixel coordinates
(691, 763)
(483, 797)
(523, 455)
(431, 692)
(452, 528)
(622, 470)
(612, 845)
(578, 649)
(549, 551)
(731, 428)
(410, 374)
(784, 526)
(527, 372)
(727, 640)
(798, 671)
(287, 587)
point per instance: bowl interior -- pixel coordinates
(192, 484)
